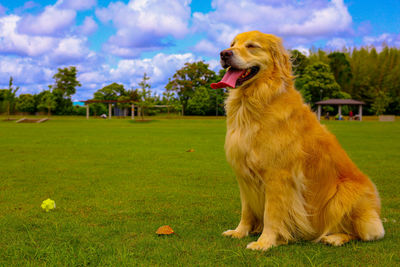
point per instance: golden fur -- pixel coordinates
(296, 181)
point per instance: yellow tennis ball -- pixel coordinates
(48, 204)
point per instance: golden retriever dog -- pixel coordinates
(296, 181)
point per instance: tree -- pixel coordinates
(217, 96)
(317, 83)
(133, 95)
(48, 101)
(380, 103)
(341, 69)
(124, 106)
(168, 98)
(359, 72)
(299, 62)
(25, 103)
(317, 56)
(64, 105)
(362, 66)
(144, 94)
(66, 81)
(392, 84)
(187, 79)
(110, 92)
(64, 87)
(199, 104)
(9, 96)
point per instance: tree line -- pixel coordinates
(361, 74)
(56, 99)
(187, 92)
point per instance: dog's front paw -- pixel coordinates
(337, 239)
(259, 245)
(234, 234)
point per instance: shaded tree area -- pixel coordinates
(55, 100)
(340, 67)
(112, 91)
(145, 99)
(64, 87)
(192, 86)
(361, 73)
(317, 83)
(7, 96)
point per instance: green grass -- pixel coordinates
(115, 182)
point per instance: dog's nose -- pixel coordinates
(225, 54)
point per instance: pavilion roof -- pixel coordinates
(340, 102)
(106, 101)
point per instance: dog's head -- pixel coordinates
(253, 55)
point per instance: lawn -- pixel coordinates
(115, 182)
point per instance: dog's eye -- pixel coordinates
(252, 46)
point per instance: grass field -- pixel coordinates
(115, 182)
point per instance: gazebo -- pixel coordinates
(340, 103)
(110, 102)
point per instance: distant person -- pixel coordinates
(338, 117)
(327, 116)
(351, 115)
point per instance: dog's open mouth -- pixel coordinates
(234, 77)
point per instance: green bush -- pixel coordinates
(151, 111)
(79, 110)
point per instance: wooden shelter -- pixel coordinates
(340, 103)
(110, 102)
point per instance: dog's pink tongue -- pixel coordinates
(229, 79)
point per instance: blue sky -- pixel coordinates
(117, 41)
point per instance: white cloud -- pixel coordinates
(69, 49)
(214, 65)
(34, 75)
(25, 71)
(88, 27)
(129, 72)
(380, 41)
(92, 77)
(143, 24)
(302, 49)
(76, 4)
(293, 20)
(334, 18)
(206, 47)
(22, 44)
(162, 18)
(338, 43)
(159, 68)
(53, 51)
(51, 22)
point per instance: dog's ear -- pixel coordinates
(281, 59)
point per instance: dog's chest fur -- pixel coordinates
(243, 130)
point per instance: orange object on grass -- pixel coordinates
(165, 230)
